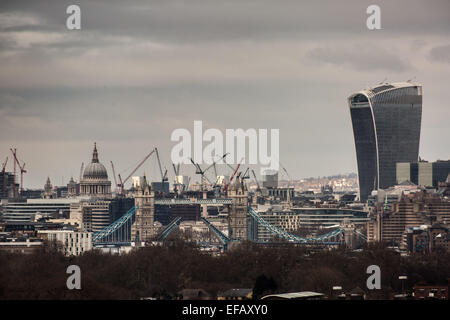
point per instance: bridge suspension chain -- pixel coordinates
(113, 227)
(288, 236)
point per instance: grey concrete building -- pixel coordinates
(427, 174)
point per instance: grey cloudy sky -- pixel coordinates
(137, 70)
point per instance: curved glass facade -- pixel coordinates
(386, 126)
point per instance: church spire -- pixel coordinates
(48, 189)
(95, 154)
(48, 185)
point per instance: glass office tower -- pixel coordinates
(386, 126)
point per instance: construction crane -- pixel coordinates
(213, 165)
(187, 184)
(246, 175)
(5, 194)
(163, 175)
(202, 172)
(215, 170)
(176, 170)
(21, 167)
(225, 189)
(258, 188)
(14, 180)
(121, 184)
(81, 171)
(177, 184)
(284, 169)
(290, 181)
(114, 174)
(229, 166)
(198, 170)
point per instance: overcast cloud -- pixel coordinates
(140, 69)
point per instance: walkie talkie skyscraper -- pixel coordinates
(386, 123)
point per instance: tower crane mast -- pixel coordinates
(5, 194)
(81, 171)
(163, 175)
(198, 170)
(245, 175)
(21, 167)
(258, 188)
(114, 174)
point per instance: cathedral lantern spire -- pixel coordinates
(95, 154)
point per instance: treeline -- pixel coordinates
(163, 271)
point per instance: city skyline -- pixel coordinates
(232, 151)
(134, 73)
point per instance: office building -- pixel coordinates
(386, 122)
(270, 179)
(72, 243)
(27, 210)
(32, 193)
(427, 174)
(160, 188)
(8, 185)
(94, 214)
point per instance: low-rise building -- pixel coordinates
(235, 294)
(194, 294)
(72, 243)
(24, 246)
(424, 239)
(389, 221)
(423, 291)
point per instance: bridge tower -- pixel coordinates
(143, 228)
(349, 236)
(237, 219)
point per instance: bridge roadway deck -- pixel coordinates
(169, 202)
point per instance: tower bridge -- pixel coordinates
(137, 225)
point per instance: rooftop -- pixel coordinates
(370, 92)
(236, 292)
(389, 86)
(294, 295)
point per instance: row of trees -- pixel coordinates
(165, 270)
